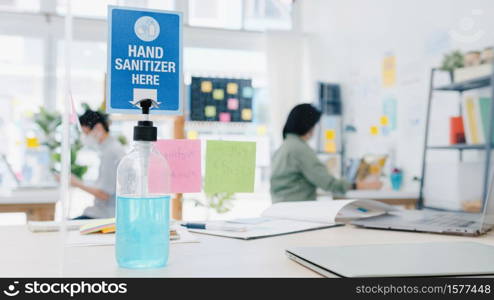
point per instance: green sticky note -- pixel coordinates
(210, 111)
(218, 94)
(230, 167)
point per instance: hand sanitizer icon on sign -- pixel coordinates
(11, 291)
(147, 29)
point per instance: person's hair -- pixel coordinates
(90, 118)
(301, 120)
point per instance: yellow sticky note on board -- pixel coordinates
(232, 88)
(210, 111)
(206, 86)
(384, 120)
(374, 130)
(330, 134)
(262, 130)
(389, 71)
(330, 147)
(218, 94)
(192, 135)
(32, 142)
(246, 114)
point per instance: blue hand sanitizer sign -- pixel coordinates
(144, 60)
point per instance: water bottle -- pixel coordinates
(143, 201)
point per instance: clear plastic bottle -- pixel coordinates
(143, 203)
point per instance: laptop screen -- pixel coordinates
(487, 220)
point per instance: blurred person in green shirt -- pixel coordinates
(296, 170)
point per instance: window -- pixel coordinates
(20, 5)
(21, 95)
(88, 67)
(256, 15)
(268, 14)
(216, 13)
(224, 62)
(98, 8)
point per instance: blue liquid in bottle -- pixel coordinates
(143, 235)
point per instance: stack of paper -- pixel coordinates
(291, 217)
(75, 239)
(99, 226)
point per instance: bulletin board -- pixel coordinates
(221, 99)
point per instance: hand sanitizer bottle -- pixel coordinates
(143, 200)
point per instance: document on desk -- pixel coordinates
(265, 228)
(75, 239)
(48, 226)
(292, 217)
(327, 211)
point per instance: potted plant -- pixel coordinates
(49, 124)
(452, 61)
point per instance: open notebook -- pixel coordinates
(291, 217)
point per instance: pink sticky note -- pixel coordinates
(225, 117)
(184, 159)
(233, 104)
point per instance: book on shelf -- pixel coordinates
(456, 131)
(485, 111)
(476, 116)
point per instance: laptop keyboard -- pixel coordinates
(446, 220)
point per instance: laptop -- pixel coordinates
(398, 260)
(421, 259)
(428, 220)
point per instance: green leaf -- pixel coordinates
(78, 170)
(56, 157)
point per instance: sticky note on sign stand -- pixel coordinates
(230, 166)
(184, 159)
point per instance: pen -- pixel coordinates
(213, 227)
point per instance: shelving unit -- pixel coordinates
(330, 104)
(460, 87)
(457, 147)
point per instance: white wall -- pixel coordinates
(347, 41)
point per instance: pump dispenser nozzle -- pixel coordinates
(145, 131)
(146, 104)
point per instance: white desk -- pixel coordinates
(26, 254)
(37, 203)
